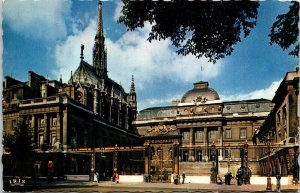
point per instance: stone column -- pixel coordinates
(147, 162)
(192, 143)
(58, 129)
(220, 132)
(95, 101)
(46, 131)
(92, 174)
(176, 158)
(65, 128)
(205, 157)
(33, 128)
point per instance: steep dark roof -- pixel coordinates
(85, 73)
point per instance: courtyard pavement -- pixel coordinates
(112, 187)
(193, 187)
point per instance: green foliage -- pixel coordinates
(201, 28)
(285, 32)
(19, 143)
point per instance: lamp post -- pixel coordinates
(213, 152)
(228, 166)
(115, 163)
(269, 185)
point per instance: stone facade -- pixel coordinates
(91, 110)
(203, 120)
(281, 130)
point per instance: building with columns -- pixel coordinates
(91, 110)
(280, 131)
(197, 122)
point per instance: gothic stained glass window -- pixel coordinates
(79, 96)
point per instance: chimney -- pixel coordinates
(175, 102)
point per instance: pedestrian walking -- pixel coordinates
(117, 178)
(183, 177)
(172, 177)
(95, 177)
(103, 176)
(98, 177)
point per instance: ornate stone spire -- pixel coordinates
(131, 98)
(99, 52)
(100, 24)
(132, 87)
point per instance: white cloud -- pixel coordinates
(133, 54)
(67, 53)
(266, 93)
(118, 10)
(157, 102)
(42, 20)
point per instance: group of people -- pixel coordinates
(176, 178)
(98, 177)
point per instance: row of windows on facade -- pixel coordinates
(199, 135)
(198, 155)
(41, 123)
(53, 139)
(184, 154)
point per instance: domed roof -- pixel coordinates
(200, 93)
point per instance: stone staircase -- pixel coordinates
(195, 168)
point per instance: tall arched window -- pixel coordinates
(79, 96)
(278, 120)
(284, 116)
(90, 98)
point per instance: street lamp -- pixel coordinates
(115, 162)
(228, 165)
(214, 168)
(269, 186)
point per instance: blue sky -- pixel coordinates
(45, 37)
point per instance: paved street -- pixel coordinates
(69, 186)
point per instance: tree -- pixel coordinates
(284, 30)
(201, 28)
(19, 145)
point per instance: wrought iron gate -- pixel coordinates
(161, 162)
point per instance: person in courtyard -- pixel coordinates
(183, 177)
(117, 178)
(172, 177)
(96, 177)
(103, 176)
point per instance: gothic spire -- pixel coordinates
(132, 87)
(100, 24)
(99, 52)
(131, 98)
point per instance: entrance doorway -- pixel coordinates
(161, 162)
